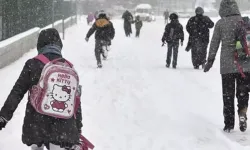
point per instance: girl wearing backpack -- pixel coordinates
(231, 66)
(39, 129)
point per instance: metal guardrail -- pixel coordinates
(17, 16)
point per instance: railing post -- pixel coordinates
(53, 13)
(63, 27)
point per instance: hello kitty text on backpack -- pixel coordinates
(57, 93)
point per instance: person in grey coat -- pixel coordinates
(225, 32)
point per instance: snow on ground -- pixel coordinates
(134, 102)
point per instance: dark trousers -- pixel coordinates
(228, 89)
(172, 48)
(166, 20)
(99, 50)
(199, 52)
(127, 28)
(138, 31)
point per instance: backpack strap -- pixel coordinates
(245, 40)
(45, 60)
(239, 67)
(66, 61)
(42, 58)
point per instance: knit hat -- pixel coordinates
(199, 11)
(49, 37)
(173, 16)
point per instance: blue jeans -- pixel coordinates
(172, 48)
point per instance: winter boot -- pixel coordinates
(104, 52)
(99, 65)
(196, 67)
(203, 65)
(167, 65)
(228, 129)
(243, 120)
(243, 123)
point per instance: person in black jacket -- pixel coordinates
(173, 35)
(38, 129)
(104, 33)
(128, 19)
(198, 29)
(138, 26)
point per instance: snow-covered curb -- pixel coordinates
(13, 48)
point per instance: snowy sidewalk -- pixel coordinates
(134, 102)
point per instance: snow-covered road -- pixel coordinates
(134, 102)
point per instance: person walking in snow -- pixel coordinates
(166, 16)
(104, 33)
(90, 18)
(40, 129)
(128, 19)
(198, 29)
(232, 80)
(138, 26)
(173, 35)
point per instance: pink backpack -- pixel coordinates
(57, 93)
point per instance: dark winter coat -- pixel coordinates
(103, 29)
(224, 33)
(128, 19)
(173, 32)
(37, 128)
(138, 24)
(127, 16)
(198, 27)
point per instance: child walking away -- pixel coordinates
(173, 35)
(138, 26)
(104, 33)
(53, 116)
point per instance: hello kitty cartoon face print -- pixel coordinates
(60, 95)
(56, 92)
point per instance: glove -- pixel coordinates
(188, 48)
(163, 39)
(208, 65)
(3, 122)
(163, 43)
(86, 39)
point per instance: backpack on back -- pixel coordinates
(243, 38)
(170, 34)
(57, 93)
(173, 32)
(242, 44)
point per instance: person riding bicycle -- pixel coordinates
(104, 33)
